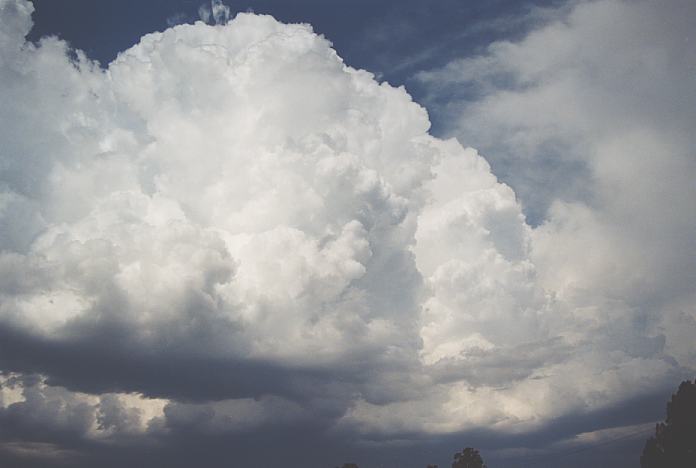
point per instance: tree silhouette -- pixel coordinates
(468, 458)
(674, 443)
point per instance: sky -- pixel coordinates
(301, 234)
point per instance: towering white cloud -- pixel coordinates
(228, 228)
(228, 194)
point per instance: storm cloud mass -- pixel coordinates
(228, 239)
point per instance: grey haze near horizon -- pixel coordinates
(615, 212)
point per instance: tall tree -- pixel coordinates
(674, 443)
(468, 458)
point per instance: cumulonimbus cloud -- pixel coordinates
(228, 223)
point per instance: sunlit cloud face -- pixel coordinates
(590, 119)
(229, 230)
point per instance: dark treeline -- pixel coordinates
(674, 442)
(467, 458)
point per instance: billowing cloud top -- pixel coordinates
(229, 229)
